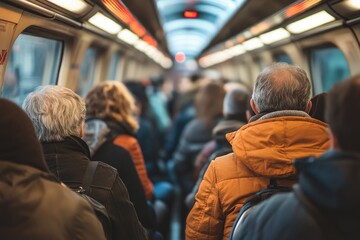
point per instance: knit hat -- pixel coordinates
(18, 141)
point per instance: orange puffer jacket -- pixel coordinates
(131, 144)
(262, 150)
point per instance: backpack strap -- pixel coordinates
(88, 176)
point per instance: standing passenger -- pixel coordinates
(263, 150)
(58, 115)
(325, 204)
(113, 104)
(33, 203)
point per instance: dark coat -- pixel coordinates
(126, 169)
(33, 206)
(68, 160)
(325, 204)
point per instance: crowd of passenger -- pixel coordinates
(218, 142)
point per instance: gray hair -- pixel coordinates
(282, 87)
(235, 101)
(56, 112)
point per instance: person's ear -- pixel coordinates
(309, 106)
(253, 106)
(248, 115)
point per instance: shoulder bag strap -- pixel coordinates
(89, 175)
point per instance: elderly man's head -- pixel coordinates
(281, 87)
(56, 112)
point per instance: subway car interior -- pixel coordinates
(178, 59)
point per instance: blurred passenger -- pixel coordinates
(185, 112)
(234, 109)
(325, 203)
(318, 107)
(33, 203)
(113, 104)
(158, 103)
(208, 103)
(58, 115)
(149, 139)
(102, 148)
(148, 134)
(263, 150)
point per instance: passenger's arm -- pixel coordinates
(126, 223)
(131, 144)
(205, 220)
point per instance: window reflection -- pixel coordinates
(328, 66)
(87, 71)
(33, 61)
(114, 65)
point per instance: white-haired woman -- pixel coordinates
(58, 115)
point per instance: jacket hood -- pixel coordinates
(269, 146)
(18, 141)
(332, 182)
(95, 134)
(17, 183)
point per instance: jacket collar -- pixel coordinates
(71, 144)
(281, 113)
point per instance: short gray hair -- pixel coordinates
(56, 112)
(236, 101)
(282, 87)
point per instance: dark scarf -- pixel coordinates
(18, 141)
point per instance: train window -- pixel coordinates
(87, 71)
(328, 66)
(33, 61)
(114, 65)
(283, 57)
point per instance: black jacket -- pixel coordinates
(68, 160)
(100, 139)
(325, 204)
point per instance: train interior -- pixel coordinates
(80, 43)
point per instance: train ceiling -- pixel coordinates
(192, 26)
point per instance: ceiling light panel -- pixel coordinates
(310, 22)
(101, 21)
(75, 6)
(128, 36)
(274, 36)
(252, 44)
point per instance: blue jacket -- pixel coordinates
(325, 204)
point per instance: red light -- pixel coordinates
(180, 57)
(190, 14)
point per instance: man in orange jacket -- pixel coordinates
(263, 150)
